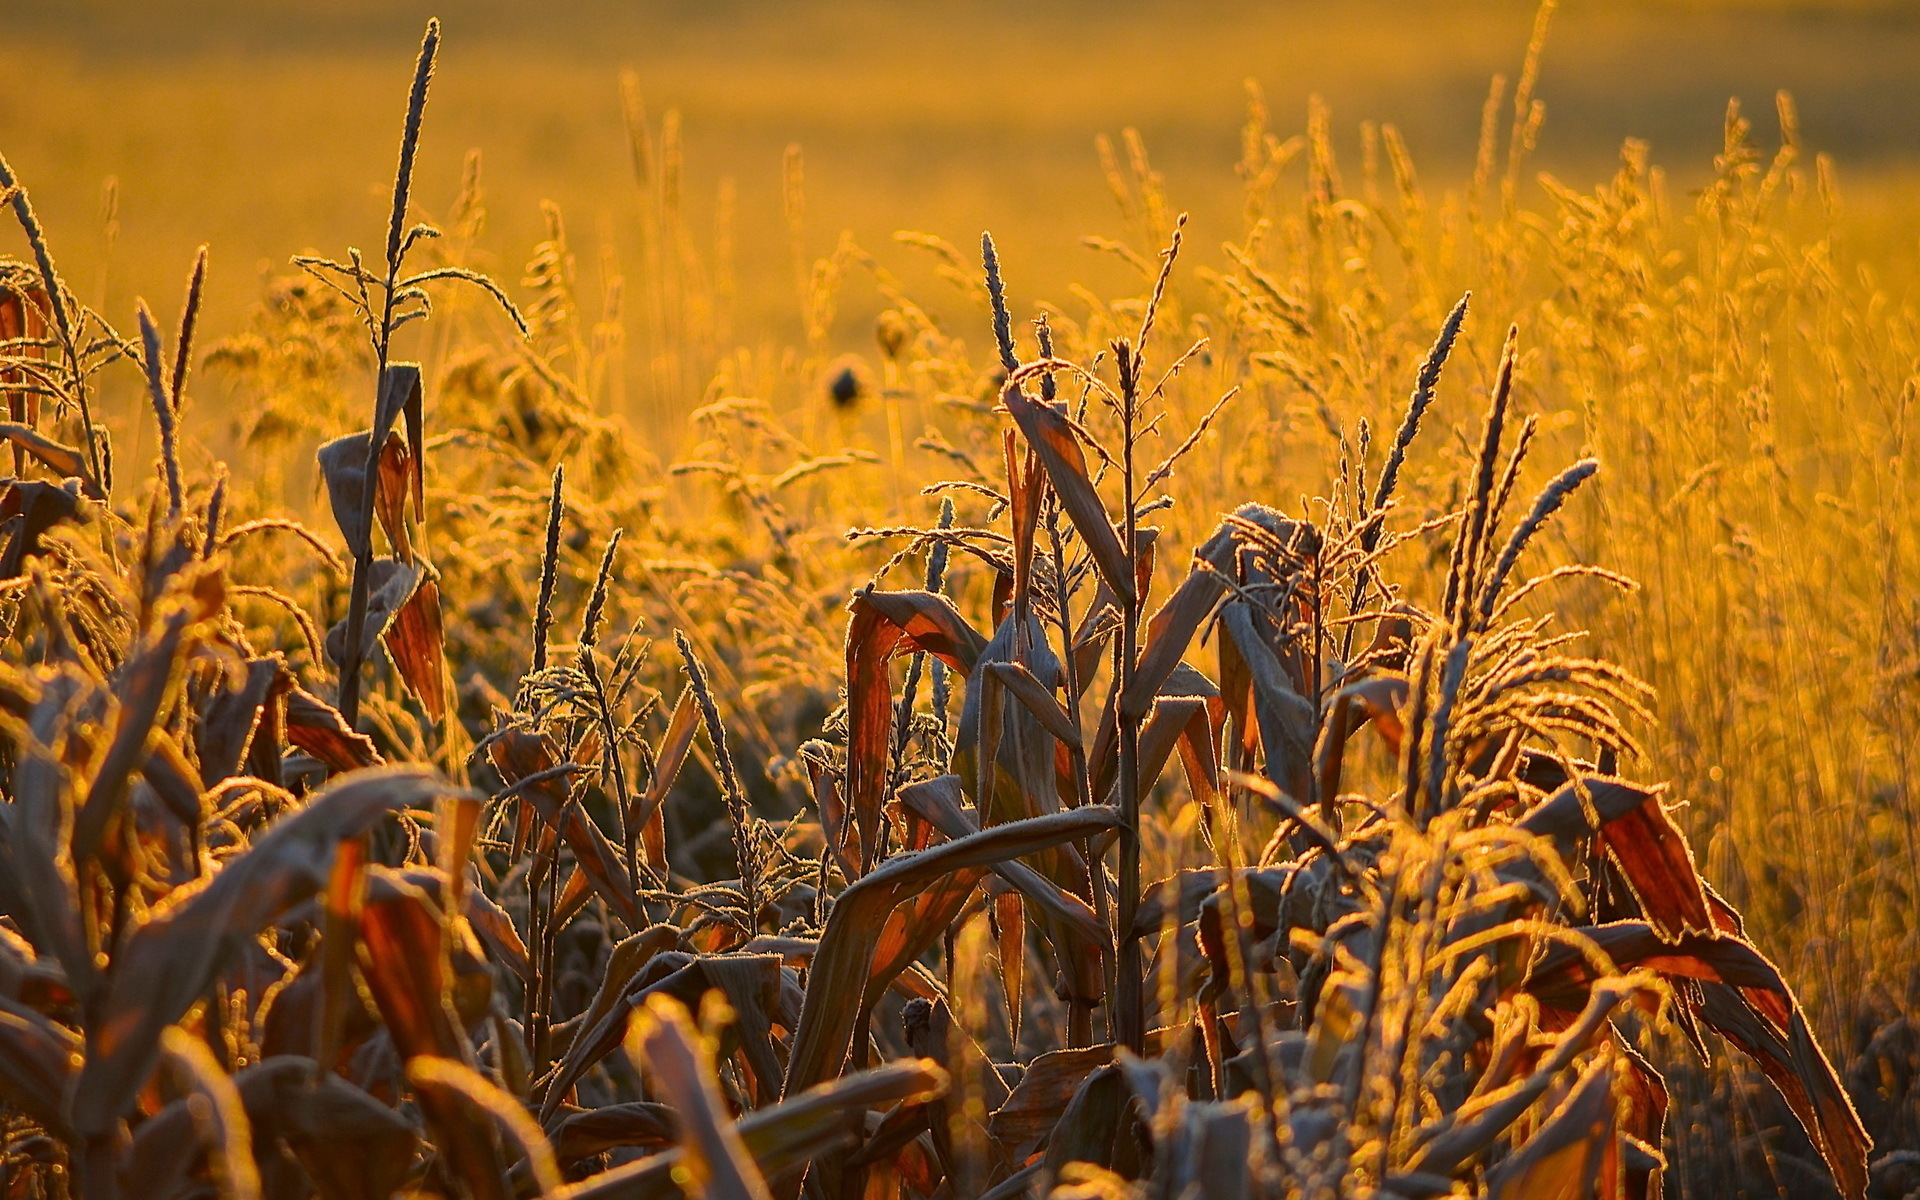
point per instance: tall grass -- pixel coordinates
(414, 869)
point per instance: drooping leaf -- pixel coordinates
(1653, 856)
(787, 1135)
(28, 509)
(521, 755)
(351, 1146)
(392, 583)
(416, 641)
(1033, 1108)
(1562, 1160)
(585, 1132)
(750, 982)
(223, 1125)
(714, 1162)
(146, 681)
(230, 715)
(668, 758)
(343, 465)
(404, 959)
(883, 624)
(1039, 700)
(1745, 998)
(842, 967)
(1052, 437)
(1793, 1061)
(445, 1084)
(60, 459)
(938, 802)
(318, 728)
(40, 887)
(400, 470)
(164, 966)
(37, 1060)
(23, 317)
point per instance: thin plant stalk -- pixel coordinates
(396, 253)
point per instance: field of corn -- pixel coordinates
(1414, 692)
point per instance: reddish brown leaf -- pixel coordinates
(1653, 855)
(1010, 943)
(404, 959)
(318, 728)
(1035, 1105)
(1793, 1061)
(520, 754)
(417, 643)
(883, 624)
(1746, 999)
(28, 509)
(1052, 437)
(165, 964)
(23, 317)
(1561, 1161)
(842, 967)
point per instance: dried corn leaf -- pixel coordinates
(391, 584)
(230, 715)
(147, 680)
(585, 1132)
(343, 465)
(1562, 1160)
(842, 967)
(649, 813)
(416, 641)
(713, 1161)
(1746, 1000)
(786, 1135)
(61, 459)
(23, 317)
(351, 1146)
(937, 801)
(1653, 856)
(883, 624)
(404, 959)
(1051, 436)
(28, 509)
(220, 1118)
(165, 964)
(40, 888)
(318, 728)
(37, 1062)
(1037, 1101)
(519, 754)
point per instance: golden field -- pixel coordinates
(311, 827)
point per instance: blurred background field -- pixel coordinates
(948, 118)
